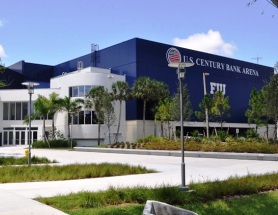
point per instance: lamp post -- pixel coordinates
(206, 110)
(30, 87)
(181, 69)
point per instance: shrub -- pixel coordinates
(251, 133)
(222, 135)
(53, 144)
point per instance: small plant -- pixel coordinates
(251, 133)
(195, 133)
(222, 135)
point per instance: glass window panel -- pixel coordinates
(74, 91)
(70, 91)
(12, 111)
(6, 111)
(24, 109)
(88, 117)
(35, 136)
(87, 89)
(17, 137)
(5, 137)
(18, 111)
(94, 118)
(81, 117)
(11, 137)
(75, 119)
(23, 138)
(81, 91)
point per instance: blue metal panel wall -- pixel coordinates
(31, 72)
(120, 58)
(138, 57)
(238, 76)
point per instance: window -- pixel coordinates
(80, 91)
(87, 89)
(6, 111)
(81, 118)
(12, 111)
(85, 117)
(75, 92)
(88, 117)
(18, 111)
(15, 110)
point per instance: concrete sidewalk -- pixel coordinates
(16, 198)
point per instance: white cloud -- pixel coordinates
(1, 23)
(210, 42)
(2, 51)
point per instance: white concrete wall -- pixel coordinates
(85, 133)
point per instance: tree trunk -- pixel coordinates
(53, 129)
(144, 115)
(68, 130)
(119, 123)
(43, 130)
(98, 140)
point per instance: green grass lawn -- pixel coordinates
(67, 172)
(24, 160)
(233, 196)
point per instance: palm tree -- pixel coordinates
(96, 101)
(147, 89)
(54, 107)
(42, 107)
(120, 92)
(71, 107)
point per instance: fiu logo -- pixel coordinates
(214, 87)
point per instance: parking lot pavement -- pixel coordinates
(168, 171)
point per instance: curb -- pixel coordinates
(217, 155)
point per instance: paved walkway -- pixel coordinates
(16, 198)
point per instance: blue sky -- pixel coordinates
(54, 31)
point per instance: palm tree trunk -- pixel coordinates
(43, 128)
(144, 115)
(53, 129)
(68, 131)
(119, 123)
(98, 140)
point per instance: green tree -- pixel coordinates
(256, 113)
(205, 105)
(163, 113)
(207, 102)
(271, 100)
(148, 90)
(109, 116)
(96, 101)
(42, 108)
(120, 92)
(54, 107)
(221, 107)
(2, 70)
(187, 106)
(71, 107)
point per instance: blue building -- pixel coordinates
(139, 57)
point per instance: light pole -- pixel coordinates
(30, 87)
(206, 110)
(181, 69)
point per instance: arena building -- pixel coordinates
(128, 61)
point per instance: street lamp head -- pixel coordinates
(30, 86)
(181, 65)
